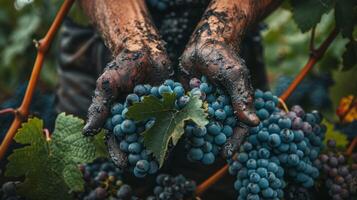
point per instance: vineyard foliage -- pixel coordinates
(51, 166)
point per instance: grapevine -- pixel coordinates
(282, 158)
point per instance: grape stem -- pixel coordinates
(7, 111)
(211, 180)
(21, 113)
(314, 57)
(283, 104)
(47, 134)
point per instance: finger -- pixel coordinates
(241, 92)
(118, 157)
(233, 143)
(120, 77)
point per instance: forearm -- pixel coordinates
(123, 24)
(227, 21)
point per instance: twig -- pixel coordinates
(211, 180)
(352, 146)
(282, 103)
(42, 48)
(7, 111)
(314, 57)
(47, 134)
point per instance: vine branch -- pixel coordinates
(42, 48)
(314, 57)
(7, 111)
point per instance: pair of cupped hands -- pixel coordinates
(140, 57)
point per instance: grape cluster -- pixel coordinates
(296, 192)
(172, 188)
(204, 144)
(313, 89)
(103, 181)
(339, 174)
(8, 191)
(283, 145)
(128, 132)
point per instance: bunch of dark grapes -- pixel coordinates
(313, 90)
(296, 192)
(173, 188)
(103, 181)
(283, 146)
(174, 32)
(8, 191)
(41, 106)
(203, 144)
(340, 176)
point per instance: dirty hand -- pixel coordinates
(213, 51)
(139, 57)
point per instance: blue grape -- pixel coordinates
(179, 91)
(220, 139)
(134, 147)
(117, 108)
(117, 119)
(131, 99)
(128, 126)
(140, 90)
(214, 128)
(164, 89)
(195, 154)
(220, 114)
(142, 166)
(208, 158)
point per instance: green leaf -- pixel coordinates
(73, 178)
(331, 133)
(307, 13)
(169, 122)
(51, 167)
(345, 16)
(350, 55)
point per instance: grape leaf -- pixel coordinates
(308, 13)
(169, 122)
(51, 167)
(331, 133)
(345, 16)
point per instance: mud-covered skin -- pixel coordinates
(139, 54)
(213, 51)
(233, 143)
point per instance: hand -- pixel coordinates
(223, 67)
(139, 57)
(213, 51)
(120, 77)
